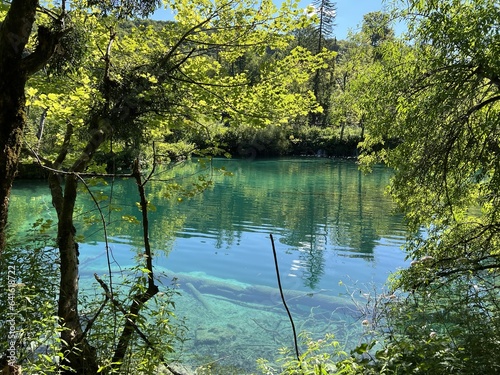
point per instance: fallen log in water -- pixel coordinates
(260, 294)
(199, 296)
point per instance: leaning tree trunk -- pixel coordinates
(79, 356)
(15, 68)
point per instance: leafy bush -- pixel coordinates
(29, 301)
(448, 329)
(319, 357)
(30, 269)
(286, 140)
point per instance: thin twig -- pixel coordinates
(283, 299)
(104, 227)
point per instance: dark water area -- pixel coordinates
(333, 228)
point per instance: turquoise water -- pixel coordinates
(333, 228)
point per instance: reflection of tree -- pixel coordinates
(367, 238)
(362, 212)
(313, 261)
(314, 202)
(308, 238)
(30, 202)
(311, 204)
(347, 208)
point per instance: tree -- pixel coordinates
(325, 10)
(132, 96)
(79, 355)
(18, 61)
(439, 105)
(356, 63)
(376, 25)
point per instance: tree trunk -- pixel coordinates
(14, 34)
(342, 129)
(12, 120)
(140, 299)
(15, 68)
(79, 355)
(314, 117)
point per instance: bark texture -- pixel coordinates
(15, 68)
(80, 356)
(14, 34)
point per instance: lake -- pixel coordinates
(335, 233)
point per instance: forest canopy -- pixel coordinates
(81, 95)
(93, 89)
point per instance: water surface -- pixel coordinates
(333, 227)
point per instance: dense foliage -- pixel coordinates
(92, 88)
(431, 112)
(106, 95)
(441, 103)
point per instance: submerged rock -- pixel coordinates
(214, 335)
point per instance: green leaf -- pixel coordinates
(130, 219)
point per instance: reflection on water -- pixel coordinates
(331, 224)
